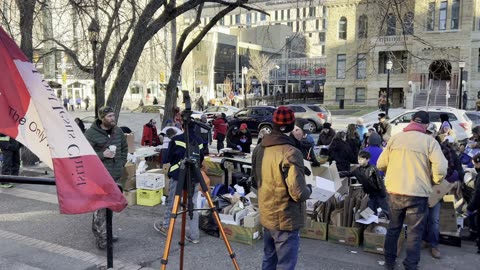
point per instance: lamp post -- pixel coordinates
(244, 73)
(389, 67)
(93, 36)
(461, 65)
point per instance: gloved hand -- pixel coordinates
(239, 147)
(307, 171)
(309, 186)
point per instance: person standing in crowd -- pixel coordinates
(473, 207)
(341, 153)
(110, 144)
(65, 103)
(175, 154)
(372, 182)
(300, 133)
(413, 161)
(384, 127)
(177, 117)
(79, 103)
(168, 132)
(361, 129)
(374, 148)
(11, 157)
(80, 124)
(278, 172)
(87, 102)
(149, 135)
(326, 135)
(220, 127)
(205, 134)
(71, 102)
(353, 139)
(445, 118)
(155, 101)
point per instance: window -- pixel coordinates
(399, 60)
(442, 17)
(324, 23)
(242, 113)
(317, 24)
(297, 108)
(478, 60)
(298, 25)
(362, 26)
(321, 37)
(304, 12)
(454, 24)
(342, 28)
(361, 66)
(341, 64)
(288, 14)
(249, 18)
(237, 18)
(276, 15)
(431, 17)
(222, 21)
(408, 24)
(263, 17)
(339, 94)
(309, 34)
(135, 90)
(231, 19)
(391, 24)
(322, 48)
(255, 18)
(290, 24)
(304, 26)
(311, 12)
(360, 95)
(282, 14)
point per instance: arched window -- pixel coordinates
(408, 24)
(362, 26)
(391, 24)
(342, 28)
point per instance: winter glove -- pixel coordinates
(239, 147)
(470, 213)
(307, 171)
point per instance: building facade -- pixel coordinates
(426, 42)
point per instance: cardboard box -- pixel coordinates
(322, 189)
(438, 192)
(251, 220)
(241, 234)
(151, 181)
(351, 236)
(326, 182)
(131, 197)
(448, 218)
(130, 183)
(130, 142)
(375, 243)
(314, 230)
(233, 219)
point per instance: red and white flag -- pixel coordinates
(31, 113)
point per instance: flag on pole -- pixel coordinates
(32, 114)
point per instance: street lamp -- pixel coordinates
(276, 84)
(389, 67)
(461, 65)
(244, 73)
(93, 36)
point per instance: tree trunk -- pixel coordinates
(27, 9)
(172, 93)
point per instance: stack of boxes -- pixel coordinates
(150, 186)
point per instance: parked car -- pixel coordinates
(315, 114)
(475, 117)
(461, 124)
(212, 111)
(256, 118)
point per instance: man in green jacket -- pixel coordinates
(282, 192)
(110, 144)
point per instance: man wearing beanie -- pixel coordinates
(412, 162)
(278, 172)
(110, 144)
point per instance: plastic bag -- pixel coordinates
(208, 225)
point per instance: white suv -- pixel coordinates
(461, 124)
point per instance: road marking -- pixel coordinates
(68, 252)
(30, 194)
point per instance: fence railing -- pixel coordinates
(287, 98)
(51, 182)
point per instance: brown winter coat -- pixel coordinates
(282, 191)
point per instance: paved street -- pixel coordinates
(33, 235)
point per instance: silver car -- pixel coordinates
(461, 124)
(316, 115)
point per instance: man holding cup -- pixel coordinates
(110, 144)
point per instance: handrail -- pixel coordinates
(51, 182)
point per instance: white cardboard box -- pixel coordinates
(323, 189)
(233, 219)
(150, 181)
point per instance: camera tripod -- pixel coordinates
(189, 169)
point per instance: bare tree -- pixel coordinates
(260, 67)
